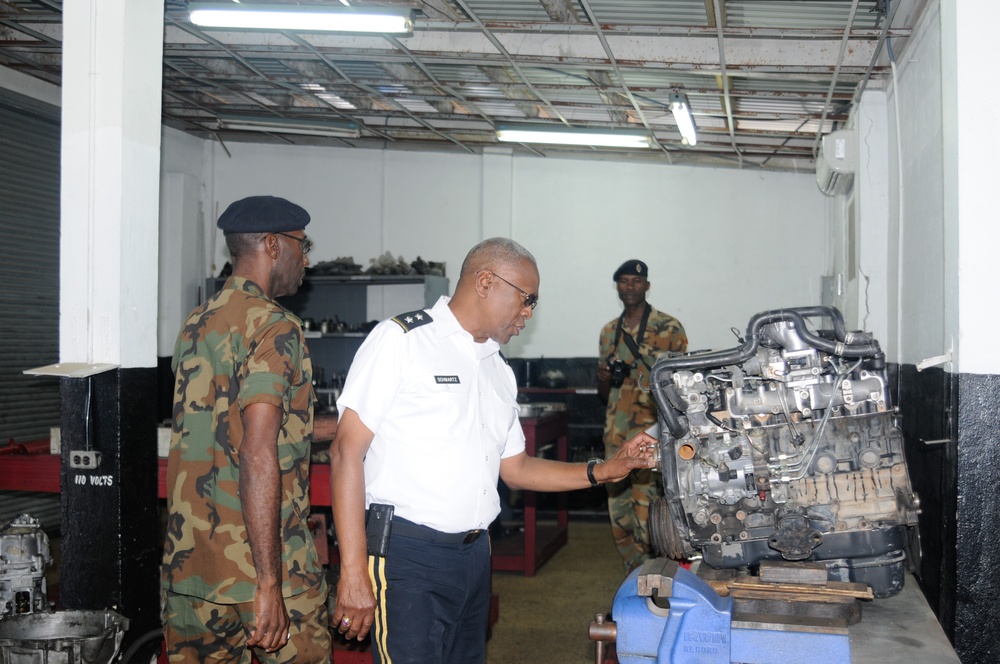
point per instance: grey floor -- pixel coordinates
(545, 618)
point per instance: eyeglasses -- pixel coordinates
(530, 300)
(307, 244)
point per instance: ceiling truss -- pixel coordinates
(765, 78)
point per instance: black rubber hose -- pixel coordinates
(845, 346)
(668, 365)
(842, 347)
(670, 415)
(140, 643)
(839, 328)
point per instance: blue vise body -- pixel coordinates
(698, 626)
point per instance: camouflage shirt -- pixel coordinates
(631, 407)
(239, 347)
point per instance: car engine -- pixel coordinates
(784, 447)
(24, 555)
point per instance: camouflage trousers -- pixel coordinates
(628, 507)
(196, 630)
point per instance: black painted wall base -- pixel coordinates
(927, 403)
(952, 430)
(977, 611)
(110, 526)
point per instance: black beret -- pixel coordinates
(263, 214)
(633, 266)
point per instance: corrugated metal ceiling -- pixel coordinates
(471, 64)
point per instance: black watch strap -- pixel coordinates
(590, 471)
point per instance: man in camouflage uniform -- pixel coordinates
(635, 339)
(240, 569)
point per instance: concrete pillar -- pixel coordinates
(111, 90)
(970, 167)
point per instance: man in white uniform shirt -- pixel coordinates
(428, 422)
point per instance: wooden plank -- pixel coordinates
(744, 593)
(716, 578)
(793, 572)
(831, 589)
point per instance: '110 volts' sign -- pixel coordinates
(94, 480)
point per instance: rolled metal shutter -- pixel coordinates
(29, 266)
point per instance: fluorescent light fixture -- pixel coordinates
(310, 18)
(681, 109)
(605, 138)
(283, 126)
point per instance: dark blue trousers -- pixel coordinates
(433, 602)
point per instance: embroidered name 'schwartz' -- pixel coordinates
(447, 380)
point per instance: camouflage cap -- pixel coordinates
(633, 266)
(263, 214)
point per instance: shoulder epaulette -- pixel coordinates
(502, 357)
(412, 319)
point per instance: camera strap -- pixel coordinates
(629, 341)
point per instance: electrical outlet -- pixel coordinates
(82, 459)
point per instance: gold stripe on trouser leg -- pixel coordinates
(380, 635)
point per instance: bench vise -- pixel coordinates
(663, 613)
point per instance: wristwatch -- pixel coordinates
(590, 471)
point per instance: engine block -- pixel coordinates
(24, 555)
(785, 447)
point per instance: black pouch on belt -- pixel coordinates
(377, 528)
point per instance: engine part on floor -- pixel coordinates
(144, 648)
(664, 613)
(785, 447)
(64, 637)
(24, 555)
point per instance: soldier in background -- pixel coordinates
(629, 346)
(240, 569)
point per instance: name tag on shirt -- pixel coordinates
(446, 380)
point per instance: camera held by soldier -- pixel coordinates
(619, 371)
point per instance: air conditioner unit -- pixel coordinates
(836, 162)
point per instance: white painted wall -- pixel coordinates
(362, 202)
(902, 276)
(182, 234)
(971, 166)
(917, 197)
(938, 239)
(721, 244)
(868, 232)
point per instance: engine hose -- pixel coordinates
(140, 643)
(666, 366)
(841, 347)
(660, 376)
(839, 328)
(671, 416)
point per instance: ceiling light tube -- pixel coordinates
(607, 138)
(310, 18)
(682, 116)
(283, 126)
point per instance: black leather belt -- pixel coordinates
(406, 528)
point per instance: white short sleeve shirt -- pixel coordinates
(443, 409)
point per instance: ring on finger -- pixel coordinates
(346, 622)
